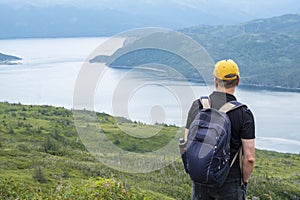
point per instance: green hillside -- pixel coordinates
(266, 50)
(42, 157)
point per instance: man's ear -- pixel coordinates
(216, 82)
(238, 81)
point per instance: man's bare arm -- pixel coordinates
(186, 132)
(248, 158)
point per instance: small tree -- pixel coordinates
(49, 146)
(11, 131)
(39, 175)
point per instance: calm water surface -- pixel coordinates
(51, 66)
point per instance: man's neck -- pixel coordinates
(226, 90)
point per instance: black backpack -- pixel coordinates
(208, 147)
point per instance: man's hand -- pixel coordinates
(244, 188)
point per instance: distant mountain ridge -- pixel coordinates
(267, 51)
(40, 19)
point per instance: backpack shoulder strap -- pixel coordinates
(205, 101)
(231, 105)
(239, 154)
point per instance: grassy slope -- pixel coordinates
(41, 157)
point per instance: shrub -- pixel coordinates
(11, 131)
(39, 175)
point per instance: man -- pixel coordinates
(227, 78)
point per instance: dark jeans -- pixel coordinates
(231, 190)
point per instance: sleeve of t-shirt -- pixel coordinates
(194, 110)
(248, 126)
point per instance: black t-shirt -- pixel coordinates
(242, 124)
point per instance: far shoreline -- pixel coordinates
(242, 85)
